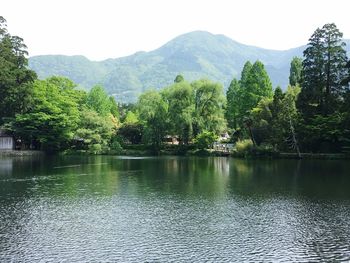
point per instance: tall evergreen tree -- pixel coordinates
(346, 81)
(114, 107)
(244, 95)
(99, 101)
(236, 108)
(15, 78)
(254, 86)
(296, 68)
(245, 72)
(323, 72)
(179, 78)
(232, 108)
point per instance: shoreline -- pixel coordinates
(20, 153)
(201, 153)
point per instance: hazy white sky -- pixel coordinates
(100, 29)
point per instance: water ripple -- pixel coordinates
(131, 215)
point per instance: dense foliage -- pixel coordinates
(182, 110)
(15, 78)
(311, 115)
(52, 114)
(323, 101)
(52, 119)
(296, 68)
(245, 94)
(324, 69)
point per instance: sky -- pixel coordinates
(101, 29)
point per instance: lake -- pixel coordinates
(173, 209)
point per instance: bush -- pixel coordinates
(115, 147)
(264, 150)
(95, 132)
(95, 148)
(205, 140)
(244, 147)
(131, 132)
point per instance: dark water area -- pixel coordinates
(173, 209)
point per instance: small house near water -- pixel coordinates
(7, 142)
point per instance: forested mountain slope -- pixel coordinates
(198, 54)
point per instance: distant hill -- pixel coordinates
(195, 55)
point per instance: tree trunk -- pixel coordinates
(295, 142)
(251, 135)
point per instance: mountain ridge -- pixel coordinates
(197, 54)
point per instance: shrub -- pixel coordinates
(131, 132)
(205, 140)
(264, 150)
(115, 147)
(95, 148)
(245, 148)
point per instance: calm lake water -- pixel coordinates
(173, 209)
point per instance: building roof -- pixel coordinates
(4, 133)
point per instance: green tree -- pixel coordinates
(254, 85)
(288, 104)
(179, 78)
(257, 85)
(99, 101)
(245, 94)
(261, 122)
(233, 103)
(52, 120)
(153, 111)
(276, 129)
(124, 109)
(95, 132)
(205, 140)
(114, 107)
(245, 73)
(324, 92)
(324, 68)
(289, 118)
(62, 82)
(16, 80)
(323, 133)
(69, 88)
(209, 103)
(274, 118)
(296, 68)
(131, 130)
(131, 133)
(131, 118)
(346, 81)
(180, 99)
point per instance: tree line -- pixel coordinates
(311, 115)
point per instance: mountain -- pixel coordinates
(195, 55)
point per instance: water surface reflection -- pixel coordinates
(173, 209)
